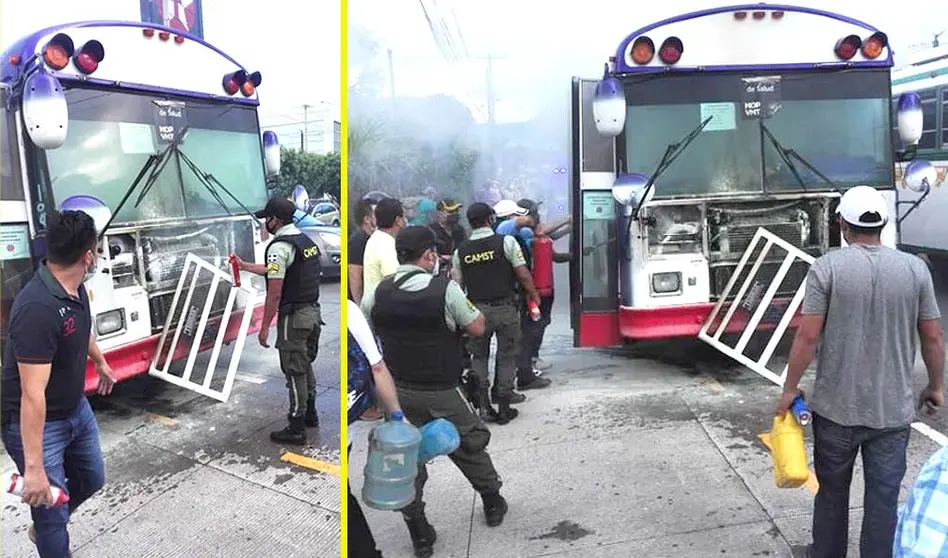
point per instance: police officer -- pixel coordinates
(292, 270)
(418, 317)
(490, 266)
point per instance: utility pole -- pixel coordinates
(305, 128)
(491, 109)
(391, 73)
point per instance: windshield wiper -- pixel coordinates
(211, 183)
(155, 164)
(672, 151)
(788, 155)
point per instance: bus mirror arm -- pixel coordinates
(913, 203)
(671, 153)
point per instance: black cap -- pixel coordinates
(479, 212)
(279, 207)
(414, 240)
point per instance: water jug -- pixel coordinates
(392, 464)
(438, 437)
(788, 451)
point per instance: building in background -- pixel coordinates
(313, 128)
(186, 15)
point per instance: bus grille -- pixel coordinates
(739, 236)
(720, 275)
(160, 305)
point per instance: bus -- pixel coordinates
(925, 72)
(706, 166)
(155, 134)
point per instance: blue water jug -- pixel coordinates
(392, 464)
(438, 437)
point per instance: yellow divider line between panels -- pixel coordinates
(311, 463)
(811, 483)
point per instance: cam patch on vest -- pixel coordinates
(311, 252)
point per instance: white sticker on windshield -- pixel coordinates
(14, 242)
(137, 139)
(723, 116)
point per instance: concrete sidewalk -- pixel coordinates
(627, 456)
(188, 477)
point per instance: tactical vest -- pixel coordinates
(421, 351)
(301, 283)
(487, 274)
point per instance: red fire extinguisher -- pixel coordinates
(235, 269)
(543, 265)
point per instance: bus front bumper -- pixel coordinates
(135, 358)
(682, 321)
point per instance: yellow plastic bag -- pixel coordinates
(785, 441)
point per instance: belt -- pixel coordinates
(497, 301)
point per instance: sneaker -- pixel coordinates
(540, 365)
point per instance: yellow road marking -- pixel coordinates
(161, 419)
(310, 463)
(811, 483)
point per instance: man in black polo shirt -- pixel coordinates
(48, 427)
(365, 225)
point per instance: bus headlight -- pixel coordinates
(666, 283)
(109, 322)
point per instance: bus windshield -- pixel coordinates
(837, 121)
(111, 135)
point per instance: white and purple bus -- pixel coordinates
(155, 133)
(717, 146)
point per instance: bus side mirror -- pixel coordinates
(45, 112)
(271, 153)
(300, 197)
(919, 176)
(609, 106)
(91, 206)
(629, 189)
(908, 115)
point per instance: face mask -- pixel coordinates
(90, 271)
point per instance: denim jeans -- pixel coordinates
(73, 460)
(883, 460)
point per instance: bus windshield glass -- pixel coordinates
(837, 121)
(111, 135)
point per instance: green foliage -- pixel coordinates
(319, 174)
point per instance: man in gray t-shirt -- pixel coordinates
(863, 307)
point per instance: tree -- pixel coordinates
(319, 174)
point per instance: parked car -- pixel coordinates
(329, 240)
(326, 213)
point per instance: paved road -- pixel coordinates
(191, 477)
(652, 452)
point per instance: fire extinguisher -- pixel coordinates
(543, 265)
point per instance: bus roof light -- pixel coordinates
(88, 57)
(671, 50)
(234, 81)
(872, 47)
(776, 14)
(148, 32)
(760, 15)
(179, 39)
(740, 16)
(13, 60)
(643, 50)
(250, 85)
(164, 35)
(847, 47)
(58, 51)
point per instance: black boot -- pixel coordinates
(515, 397)
(294, 433)
(423, 536)
(311, 419)
(505, 413)
(485, 409)
(495, 508)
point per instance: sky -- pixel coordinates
(268, 39)
(539, 44)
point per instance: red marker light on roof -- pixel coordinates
(57, 51)
(671, 50)
(847, 47)
(88, 57)
(164, 35)
(776, 15)
(148, 32)
(760, 15)
(740, 16)
(179, 39)
(250, 86)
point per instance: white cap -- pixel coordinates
(863, 206)
(507, 208)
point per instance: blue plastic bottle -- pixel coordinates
(392, 464)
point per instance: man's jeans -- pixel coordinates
(73, 460)
(883, 461)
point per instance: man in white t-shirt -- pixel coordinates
(368, 375)
(380, 259)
